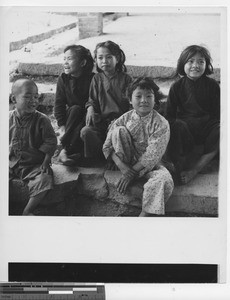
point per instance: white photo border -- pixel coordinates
(118, 240)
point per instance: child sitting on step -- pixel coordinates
(71, 95)
(32, 142)
(107, 97)
(136, 143)
(193, 112)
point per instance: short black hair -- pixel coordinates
(82, 53)
(189, 52)
(17, 84)
(145, 83)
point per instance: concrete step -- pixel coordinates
(95, 190)
(47, 92)
(28, 67)
(198, 196)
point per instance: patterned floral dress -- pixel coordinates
(144, 140)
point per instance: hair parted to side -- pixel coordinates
(82, 53)
(145, 83)
(189, 52)
(116, 51)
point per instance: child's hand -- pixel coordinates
(123, 184)
(128, 174)
(45, 168)
(89, 120)
(127, 171)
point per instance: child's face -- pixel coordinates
(72, 64)
(195, 66)
(106, 61)
(26, 98)
(143, 101)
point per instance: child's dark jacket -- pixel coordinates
(30, 139)
(108, 96)
(190, 99)
(70, 91)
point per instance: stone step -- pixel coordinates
(54, 69)
(200, 196)
(47, 92)
(48, 89)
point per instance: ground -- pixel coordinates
(146, 38)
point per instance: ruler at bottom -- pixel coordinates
(39, 291)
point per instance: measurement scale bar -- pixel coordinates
(54, 291)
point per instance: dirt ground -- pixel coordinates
(146, 38)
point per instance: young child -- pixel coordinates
(193, 111)
(71, 96)
(136, 143)
(32, 142)
(107, 97)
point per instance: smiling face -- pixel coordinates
(143, 101)
(195, 66)
(106, 61)
(72, 64)
(26, 98)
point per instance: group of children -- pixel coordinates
(109, 115)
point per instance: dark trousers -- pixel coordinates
(93, 138)
(75, 120)
(185, 134)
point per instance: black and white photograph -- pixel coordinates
(97, 150)
(114, 111)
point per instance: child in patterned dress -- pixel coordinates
(136, 143)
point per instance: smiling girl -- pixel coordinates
(193, 111)
(71, 95)
(136, 143)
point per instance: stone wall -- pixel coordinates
(90, 24)
(41, 69)
(40, 37)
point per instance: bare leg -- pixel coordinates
(33, 203)
(187, 176)
(144, 214)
